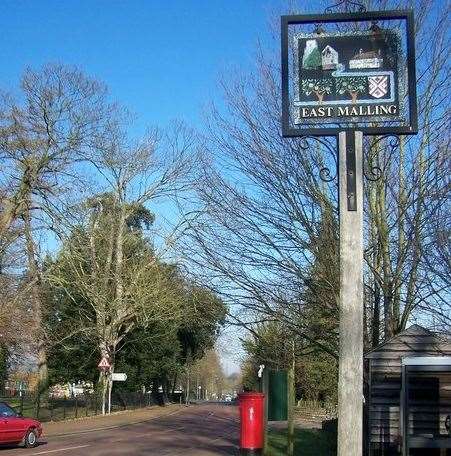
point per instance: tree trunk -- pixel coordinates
(35, 280)
(401, 209)
(388, 313)
(416, 243)
(165, 386)
(188, 386)
(174, 384)
(13, 208)
(375, 259)
(103, 379)
(376, 317)
(110, 390)
(320, 96)
(354, 97)
(119, 261)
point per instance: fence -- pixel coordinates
(315, 410)
(51, 408)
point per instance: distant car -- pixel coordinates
(15, 429)
(228, 398)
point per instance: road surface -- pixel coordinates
(200, 430)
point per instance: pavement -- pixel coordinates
(93, 423)
(198, 430)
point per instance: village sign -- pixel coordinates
(348, 76)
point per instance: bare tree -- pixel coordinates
(119, 288)
(254, 236)
(43, 136)
(408, 203)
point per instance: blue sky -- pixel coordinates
(160, 58)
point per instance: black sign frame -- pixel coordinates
(313, 19)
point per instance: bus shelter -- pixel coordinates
(408, 395)
(426, 405)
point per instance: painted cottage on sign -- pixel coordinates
(329, 57)
(371, 59)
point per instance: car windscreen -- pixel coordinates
(6, 410)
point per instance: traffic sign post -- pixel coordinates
(104, 365)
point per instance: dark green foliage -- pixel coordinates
(321, 295)
(4, 358)
(317, 378)
(176, 323)
(148, 354)
(72, 353)
(308, 442)
(204, 313)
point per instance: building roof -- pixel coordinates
(366, 55)
(330, 48)
(413, 339)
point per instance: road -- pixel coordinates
(201, 430)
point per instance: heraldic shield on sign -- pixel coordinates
(348, 71)
(378, 86)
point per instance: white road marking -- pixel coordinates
(61, 449)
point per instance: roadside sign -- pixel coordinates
(348, 75)
(119, 377)
(352, 71)
(104, 364)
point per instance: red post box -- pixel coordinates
(252, 419)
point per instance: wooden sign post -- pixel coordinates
(350, 386)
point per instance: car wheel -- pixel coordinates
(31, 439)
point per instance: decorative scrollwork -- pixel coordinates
(393, 143)
(375, 172)
(325, 173)
(322, 140)
(349, 6)
(372, 172)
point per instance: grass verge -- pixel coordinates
(307, 442)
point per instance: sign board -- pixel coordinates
(118, 377)
(104, 364)
(350, 71)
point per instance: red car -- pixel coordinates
(15, 429)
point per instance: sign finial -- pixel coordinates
(348, 7)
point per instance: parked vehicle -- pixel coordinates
(15, 429)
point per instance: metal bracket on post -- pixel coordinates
(351, 171)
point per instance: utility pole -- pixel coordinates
(350, 383)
